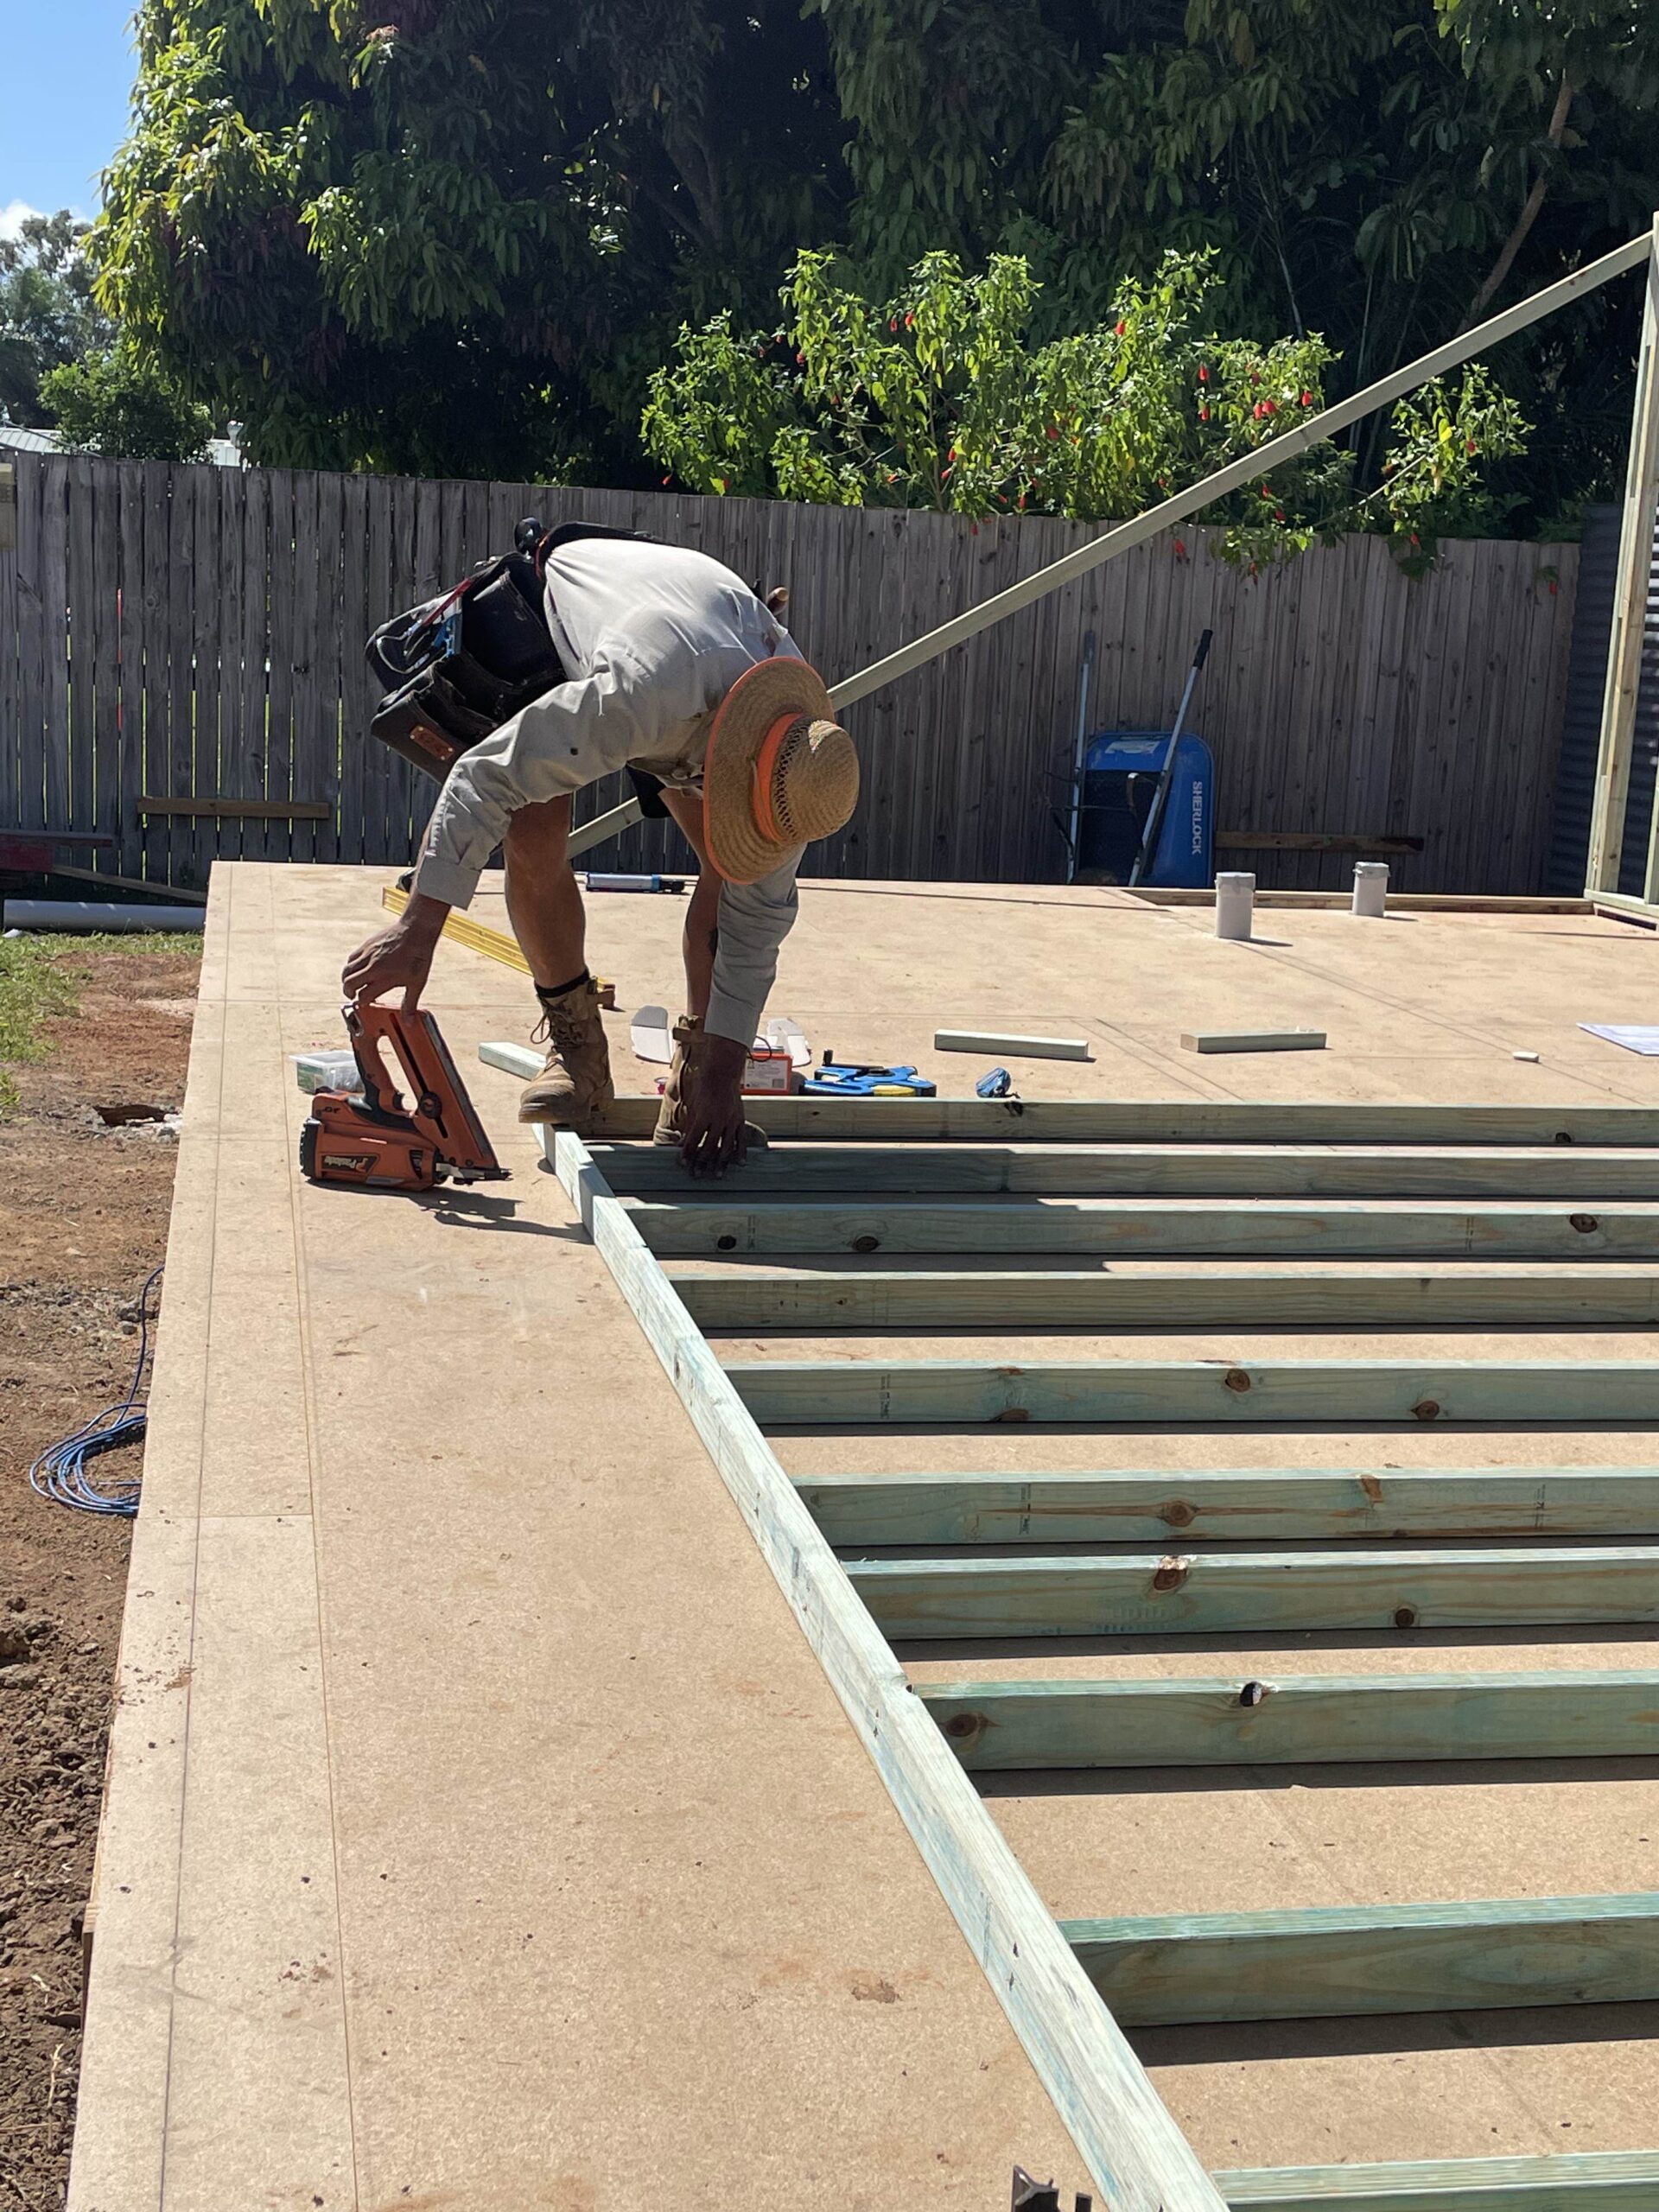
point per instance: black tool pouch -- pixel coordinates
(458, 666)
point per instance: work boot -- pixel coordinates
(574, 1089)
(687, 1030)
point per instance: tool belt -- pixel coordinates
(458, 666)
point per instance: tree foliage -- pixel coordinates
(451, 238)
(457, 235)
(939, 398)
(48, 314)
(112, 403)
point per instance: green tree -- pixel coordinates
(112, 403)
(939, 398)
(48, 313)
(453, 238)
(458, 237)
(1385, 172)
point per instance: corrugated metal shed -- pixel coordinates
(18, 438)
(1575, 780)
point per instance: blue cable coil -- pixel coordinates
(61, 1471)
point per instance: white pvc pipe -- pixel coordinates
(1371, 889)
(1235, 898)
(79, 914)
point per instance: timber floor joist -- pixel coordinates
(876, 1222)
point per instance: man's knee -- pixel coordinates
(536, 836)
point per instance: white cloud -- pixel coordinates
(13, 217)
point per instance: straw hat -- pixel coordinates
(778, 770)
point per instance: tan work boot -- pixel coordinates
(574, 1089)
(687, 1030)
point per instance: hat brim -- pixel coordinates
(760, 696)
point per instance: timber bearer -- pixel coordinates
(674, 668)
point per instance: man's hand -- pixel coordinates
(711, 1109)
(398, 958)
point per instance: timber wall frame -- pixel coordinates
(1577, 1544)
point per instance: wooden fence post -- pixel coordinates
(1630, 609)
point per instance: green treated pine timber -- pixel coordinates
(1288, 1504)
(1533, 1172)
(1330, 1961)
(1278, 1719)
(820, 1393)
(1269, 1593)
(1594, 2181)
(742, 1302)
(1139, 2159)
(1171, 1121)
(1427, 1228)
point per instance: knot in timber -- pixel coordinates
(1585, 1224)
(1177, 1513)
(1405, 1617)
(867, 1243)
(1171, 1573)
(1235, 1379)
(1427, 1409)
(962, 1723)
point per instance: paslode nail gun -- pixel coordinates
(374, 1142)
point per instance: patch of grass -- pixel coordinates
(34, 986)
(38, 978)
(157, 944)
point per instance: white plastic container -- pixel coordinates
(1371, 889)
(1234, 899)
(327, 1070)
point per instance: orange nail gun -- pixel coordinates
(372, 1142)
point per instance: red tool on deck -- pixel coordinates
(377, 1144)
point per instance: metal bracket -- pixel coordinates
(1031, 2196)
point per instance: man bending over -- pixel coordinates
(673, 665)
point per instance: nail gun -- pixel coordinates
(374, 1142)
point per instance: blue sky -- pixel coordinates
(67, 66)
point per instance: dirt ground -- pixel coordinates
(83, 1220)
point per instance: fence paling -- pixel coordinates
(1320, 696)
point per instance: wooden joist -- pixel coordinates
(1329, 1961)
(827, 1393)
(1274, 1504)
(1286, 1718)
(1529, 1173)
(1352, 843)
(1129, 2141)
(1130, 1228)
(1180, 1121)
(237, 810)
(1268, 1594)
(744, 1301)
(1594, 2181)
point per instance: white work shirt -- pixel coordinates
(654, 637)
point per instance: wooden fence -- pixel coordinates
(182, 669)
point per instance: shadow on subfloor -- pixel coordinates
(1392, 1774)
(1227, 2043)
(984, 1651)
(464, 1209)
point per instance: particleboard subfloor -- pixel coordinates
(481, 1832)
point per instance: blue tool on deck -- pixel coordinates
(996, 1083)
(865, 1082)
